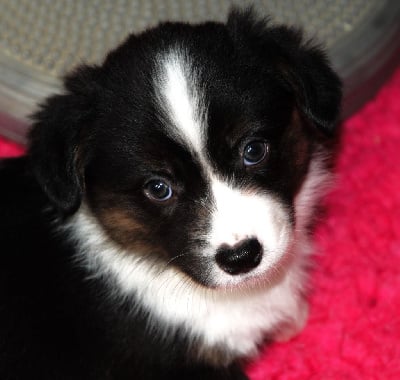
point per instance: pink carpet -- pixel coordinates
(354, 327)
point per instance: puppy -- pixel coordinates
(158, 226)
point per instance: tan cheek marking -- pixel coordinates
(128, 232)
(297, 136)
(216, 354)
(296, 140)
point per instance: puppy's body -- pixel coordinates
(158, 227)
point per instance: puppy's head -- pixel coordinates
(190, 144)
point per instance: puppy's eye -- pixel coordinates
(254, 152)
(158, 190)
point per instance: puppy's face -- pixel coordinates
(195, 150)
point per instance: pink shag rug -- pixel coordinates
(354, 326)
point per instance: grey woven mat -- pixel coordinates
(53, 36)
(42, 39)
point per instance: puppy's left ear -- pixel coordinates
(317, 88)
(56, 139)
(302, 66)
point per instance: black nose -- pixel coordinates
(241, 258)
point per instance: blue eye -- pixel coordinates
(254, 152)
(158, 190)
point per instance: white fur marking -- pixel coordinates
(239, 215)
(317, 182)
(236, 320)
(181, 98)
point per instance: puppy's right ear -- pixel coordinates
(56, 138)
(300, 64)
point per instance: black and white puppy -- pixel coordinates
(158, 226)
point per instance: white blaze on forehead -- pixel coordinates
(238, 215)
(181, 98)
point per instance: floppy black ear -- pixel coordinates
(302, 66)
(56, 137)
(317, 88)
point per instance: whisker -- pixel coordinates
(204, 202)
(174, 258)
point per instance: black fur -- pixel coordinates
(90, 142)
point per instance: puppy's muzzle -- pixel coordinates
(240, 258)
